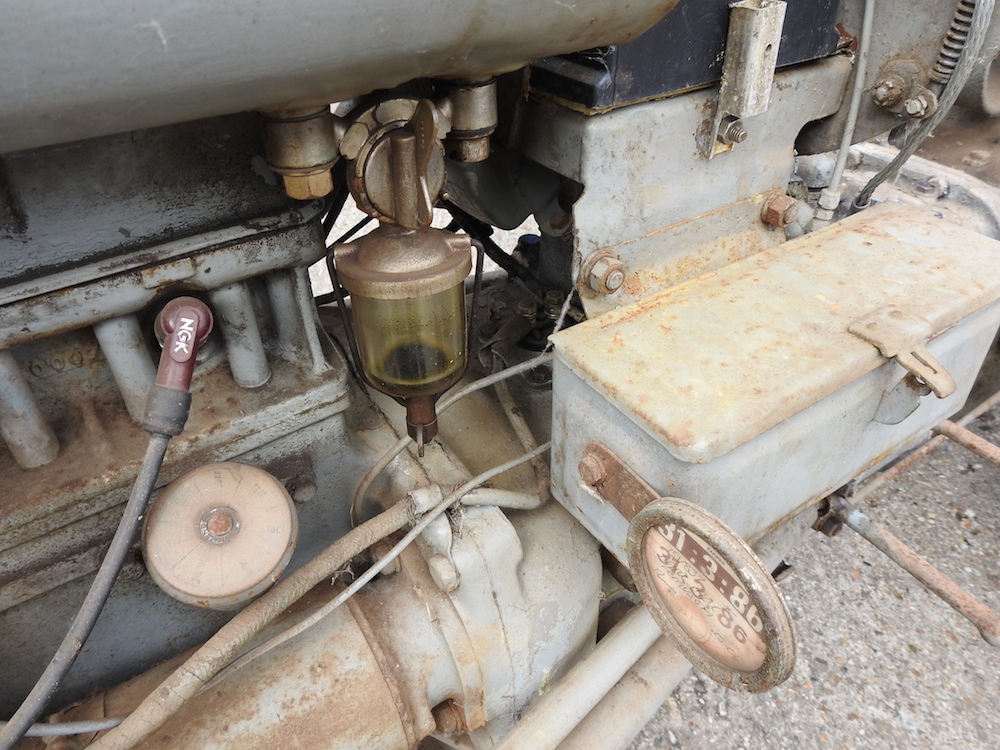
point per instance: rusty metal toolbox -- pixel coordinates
(755, 390)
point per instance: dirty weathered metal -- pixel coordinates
(24, 428)
(768, 326)
(748, 67)
(136, 65)
(721, 377)
(616, 483)
(684, 216)
(902, 335)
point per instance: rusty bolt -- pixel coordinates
(888, 92)
(733, 133)
(779, 210)
(592, 470)
(605, 274)
(449, 718)
(527, 308)
(829, 525)
(554, 299)
(219, 525)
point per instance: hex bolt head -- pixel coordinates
(888, 92)
(829, 526)
(915, 107)
(779, 210)
(606, 274)
(304, 492)
(527, 308)
(592, 470)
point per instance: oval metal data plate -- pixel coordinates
(711, 595)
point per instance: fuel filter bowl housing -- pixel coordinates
(408, 305)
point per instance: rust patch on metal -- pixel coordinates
(613, 480)
(388, 675)
(847, 40)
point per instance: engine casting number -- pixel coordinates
(708, 591)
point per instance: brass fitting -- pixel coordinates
(302, 146)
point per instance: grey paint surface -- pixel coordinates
(81, 70)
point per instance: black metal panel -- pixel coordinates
(684, 51)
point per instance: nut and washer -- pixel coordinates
(888, 91)
(733, 133)
(605, 274)
(915, 107)
(922, 105)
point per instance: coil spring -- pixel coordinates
(954, 42)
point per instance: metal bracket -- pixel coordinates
(903, 335)
(747, 71)
(614, 481)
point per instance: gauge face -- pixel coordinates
(219, 535)
(711, 595)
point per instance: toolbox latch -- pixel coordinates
(902, 335)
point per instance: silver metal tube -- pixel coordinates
(555, 716)
(235, 316)
(131, 365)
(23, 427)
(631, 703)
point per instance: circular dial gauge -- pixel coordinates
(708, 591)
(219, 535)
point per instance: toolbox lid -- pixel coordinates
(707, 365)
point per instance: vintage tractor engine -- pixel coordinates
(271, 481)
